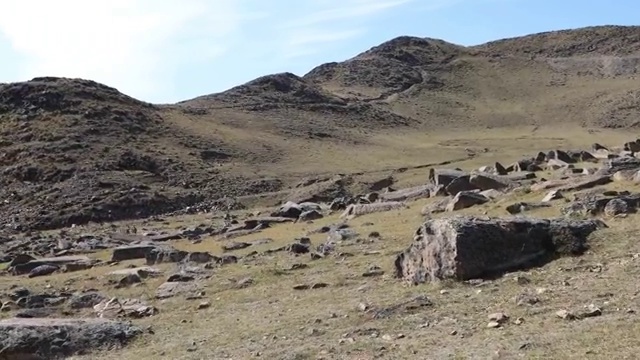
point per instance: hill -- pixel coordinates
(75, 151)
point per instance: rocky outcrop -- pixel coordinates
(51, 338)
(466, 247)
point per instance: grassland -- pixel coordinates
(269, 319)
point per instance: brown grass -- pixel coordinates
(271, 319)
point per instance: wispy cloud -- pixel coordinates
(345, 10)
(327, 22)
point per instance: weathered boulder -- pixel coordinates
(444, 176)
(289, 210)
(413, 193)
(466, 199)
(563, 156)
(52, 338)
(572, 184)
(27, 267)
(310, 215)
(611, 166)
(616, 207)
(165, 255)
(461, 183)
(632, 146)
(594, 204)
(489, 182)
(355, 210)
(552, 195)
(465, 247)
(521, 207)
(130, 252)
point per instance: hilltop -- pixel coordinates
(75, 151)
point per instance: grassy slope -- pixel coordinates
(272, 319)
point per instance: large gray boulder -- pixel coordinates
(466, 247)
(53, 338)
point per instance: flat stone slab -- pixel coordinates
(142, 271)
(25, 268)
(51, 338)
(131, 252)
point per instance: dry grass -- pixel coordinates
(271, 320)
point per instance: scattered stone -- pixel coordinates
(355, 210)
(86, 300)
(180, 277)
(298, 248)
(373, 271)
(171, 289)
(27, 267)
(466, 199)
(616, 207)
(204, 305)
(200, 257)
(499, 318)
(235, 246)
(552, 195)
(43, 270)
(244, 282)
(591, 311)
(565, 315)
(159, 255)
(133, 308)
(521, 207)
(310, 215)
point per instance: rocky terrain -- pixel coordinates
(421, 190)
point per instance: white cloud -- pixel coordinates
(123, 43)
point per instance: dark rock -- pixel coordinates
(86, 300)
(165, 255)
(235, 246)
(50, 338)
(466, 247)
(43, 270)
(180, 278)
(131, 252)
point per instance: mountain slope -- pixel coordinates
(74, 151)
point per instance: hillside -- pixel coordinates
(75, 151)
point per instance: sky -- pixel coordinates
(164, 51)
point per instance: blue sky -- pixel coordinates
(170, 50)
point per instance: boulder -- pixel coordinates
(413, 193)
(466, 247)
(289, 210)
(461, 183)
(521, 207)
(444, 176)
(131, 252)
(563, 156)
(466, 199)
(572, 184)
(310, 215)
(165, 255)
(355, 210)
(489, 182)
(51, 338)
(552, 195)
(27, 267)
